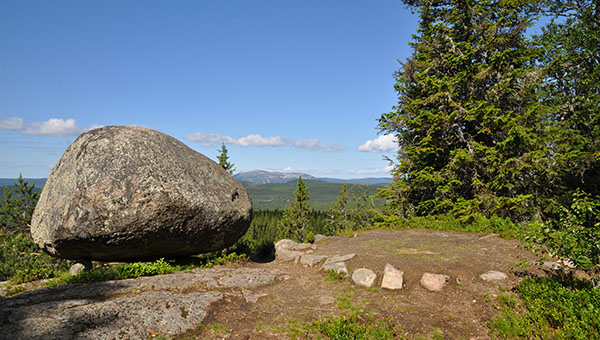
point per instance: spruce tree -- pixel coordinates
(466, 117)
(295, 221)
(571, 90)
(224, 159)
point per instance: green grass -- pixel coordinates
(549, 309)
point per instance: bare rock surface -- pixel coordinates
(392, 278)
(127, 192)
(132, 309)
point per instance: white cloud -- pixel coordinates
(383, 143)
(213, 139)
(12, 123)
(257, 140)
(52, 127)
(314, 145)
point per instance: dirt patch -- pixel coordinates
(461, 310)
(277, 300)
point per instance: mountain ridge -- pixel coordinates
(267, 177)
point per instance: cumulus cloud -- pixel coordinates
(212, 139)
(384, 143)
(52, 127)
(12, 123)
(314, 145)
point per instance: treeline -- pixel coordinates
(354, 209)
(491, 120)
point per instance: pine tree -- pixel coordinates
(466, 118)
(339, 214)
(571, 62)
(224, 159)
(296, 215)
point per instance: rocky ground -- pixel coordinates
(455, 298)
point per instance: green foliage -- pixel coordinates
(549, 310)
(21, 260)
(295, 220)
(223, 159)
(17, 206)
(571, 92)
(504, 227)
(466, 119)
(276, 195)
(353, 209)
(344, 327)
(576, 236)
(118, 272)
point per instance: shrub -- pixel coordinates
(576, 235)
(550, 310)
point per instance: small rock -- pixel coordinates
(552, 265)
(364, 277)
(252, 297)
(338, 267)
(392, 278)
(319, 238)
(76, 269)
(434, 282)
(493, 275)
(311, 260)
(339, 258)
(287, 255)
(488, 236)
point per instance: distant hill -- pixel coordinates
(265, 177)
(277, 195)
(366, 180)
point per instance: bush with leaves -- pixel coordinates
(21, 260)
(576, 236)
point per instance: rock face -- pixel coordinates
(127, 192)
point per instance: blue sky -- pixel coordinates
(288, 86)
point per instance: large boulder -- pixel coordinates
(127, 192)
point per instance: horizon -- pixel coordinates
(288, 87)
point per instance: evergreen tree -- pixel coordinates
(466, 119)
(339, 214)
(224, 159)
(296, 215)
(571, 90)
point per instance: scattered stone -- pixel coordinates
(252, 297)
(338, 267)
(493, 275)
(434, 282)
(392, 278)
(127, 192)
(76, 269)
(488, 236)
(311, 260)
(339, 258)
(364, 277)
(319, 238)
(287, 255)
(552, 265)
